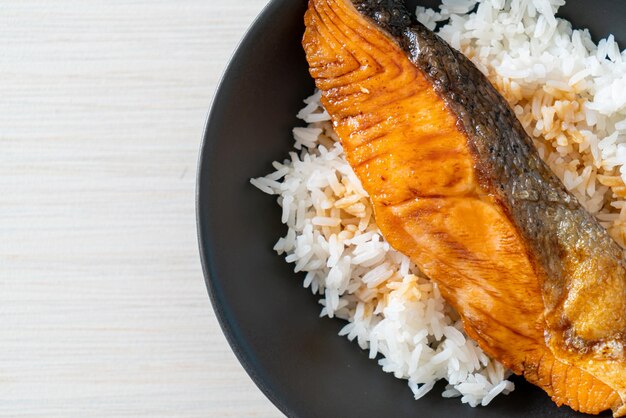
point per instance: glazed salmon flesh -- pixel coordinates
(458, 186)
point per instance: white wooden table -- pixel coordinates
(103, 308)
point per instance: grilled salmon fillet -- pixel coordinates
(458, 186)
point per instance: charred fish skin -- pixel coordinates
(556, 228)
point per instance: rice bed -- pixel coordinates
(569, 94)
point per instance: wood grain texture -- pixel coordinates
(103, 308)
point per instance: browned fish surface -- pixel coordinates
(457, 185)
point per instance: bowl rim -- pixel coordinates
(251, 32)
(207, 143)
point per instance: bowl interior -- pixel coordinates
(270, 321)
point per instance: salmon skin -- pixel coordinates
(457, 185)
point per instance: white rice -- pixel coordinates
(570, 96)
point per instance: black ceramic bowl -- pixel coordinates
(271, 322)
